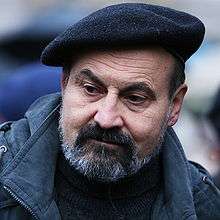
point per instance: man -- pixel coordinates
(105, 148)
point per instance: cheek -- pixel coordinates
(146, 131)
(146, 127)
(142, 128)
(76, 110)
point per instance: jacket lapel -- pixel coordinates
(175, 200)
(30, 176)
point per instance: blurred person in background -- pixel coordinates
(193, 128)
(214, 117)
(19, 90)
(23, 79)
(104, 148)
(24, 44)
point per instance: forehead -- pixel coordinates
(152, 64)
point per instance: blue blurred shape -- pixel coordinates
(24, 86)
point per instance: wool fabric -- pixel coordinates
(128, 24)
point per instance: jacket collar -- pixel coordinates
(176, 199)
(30, 175)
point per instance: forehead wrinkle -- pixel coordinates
(106, 64)
(145, 60)
(122, 69)
(129, 80)
(133, 73)
(142, 76)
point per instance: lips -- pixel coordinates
(108, 141)
(105, 142)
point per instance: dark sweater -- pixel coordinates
(78, 197)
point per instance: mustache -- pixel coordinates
(111, 135)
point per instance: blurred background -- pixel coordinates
(26, 27)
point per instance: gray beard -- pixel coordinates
(101, 166)
(104, 169)
(99, 163)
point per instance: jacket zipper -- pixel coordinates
(20, 202)
(3, 149)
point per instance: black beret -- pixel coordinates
(126, 25)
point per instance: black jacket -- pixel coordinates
(27, 170)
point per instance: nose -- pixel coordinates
(108, 114)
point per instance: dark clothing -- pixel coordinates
(128, 24)
(130, 198)
(28, 167)
(216, 180)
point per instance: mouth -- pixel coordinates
(107, 144)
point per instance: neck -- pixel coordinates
(145, 179)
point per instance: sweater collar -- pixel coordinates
(147, 178)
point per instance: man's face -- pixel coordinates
(115, 110)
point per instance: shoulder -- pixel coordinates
(205, 194)
(13, 135)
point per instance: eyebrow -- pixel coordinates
(139, 87)
(91, 76)
(130, 87)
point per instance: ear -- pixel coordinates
(176, 104)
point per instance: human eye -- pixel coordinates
(91, 89)
(136, 99)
